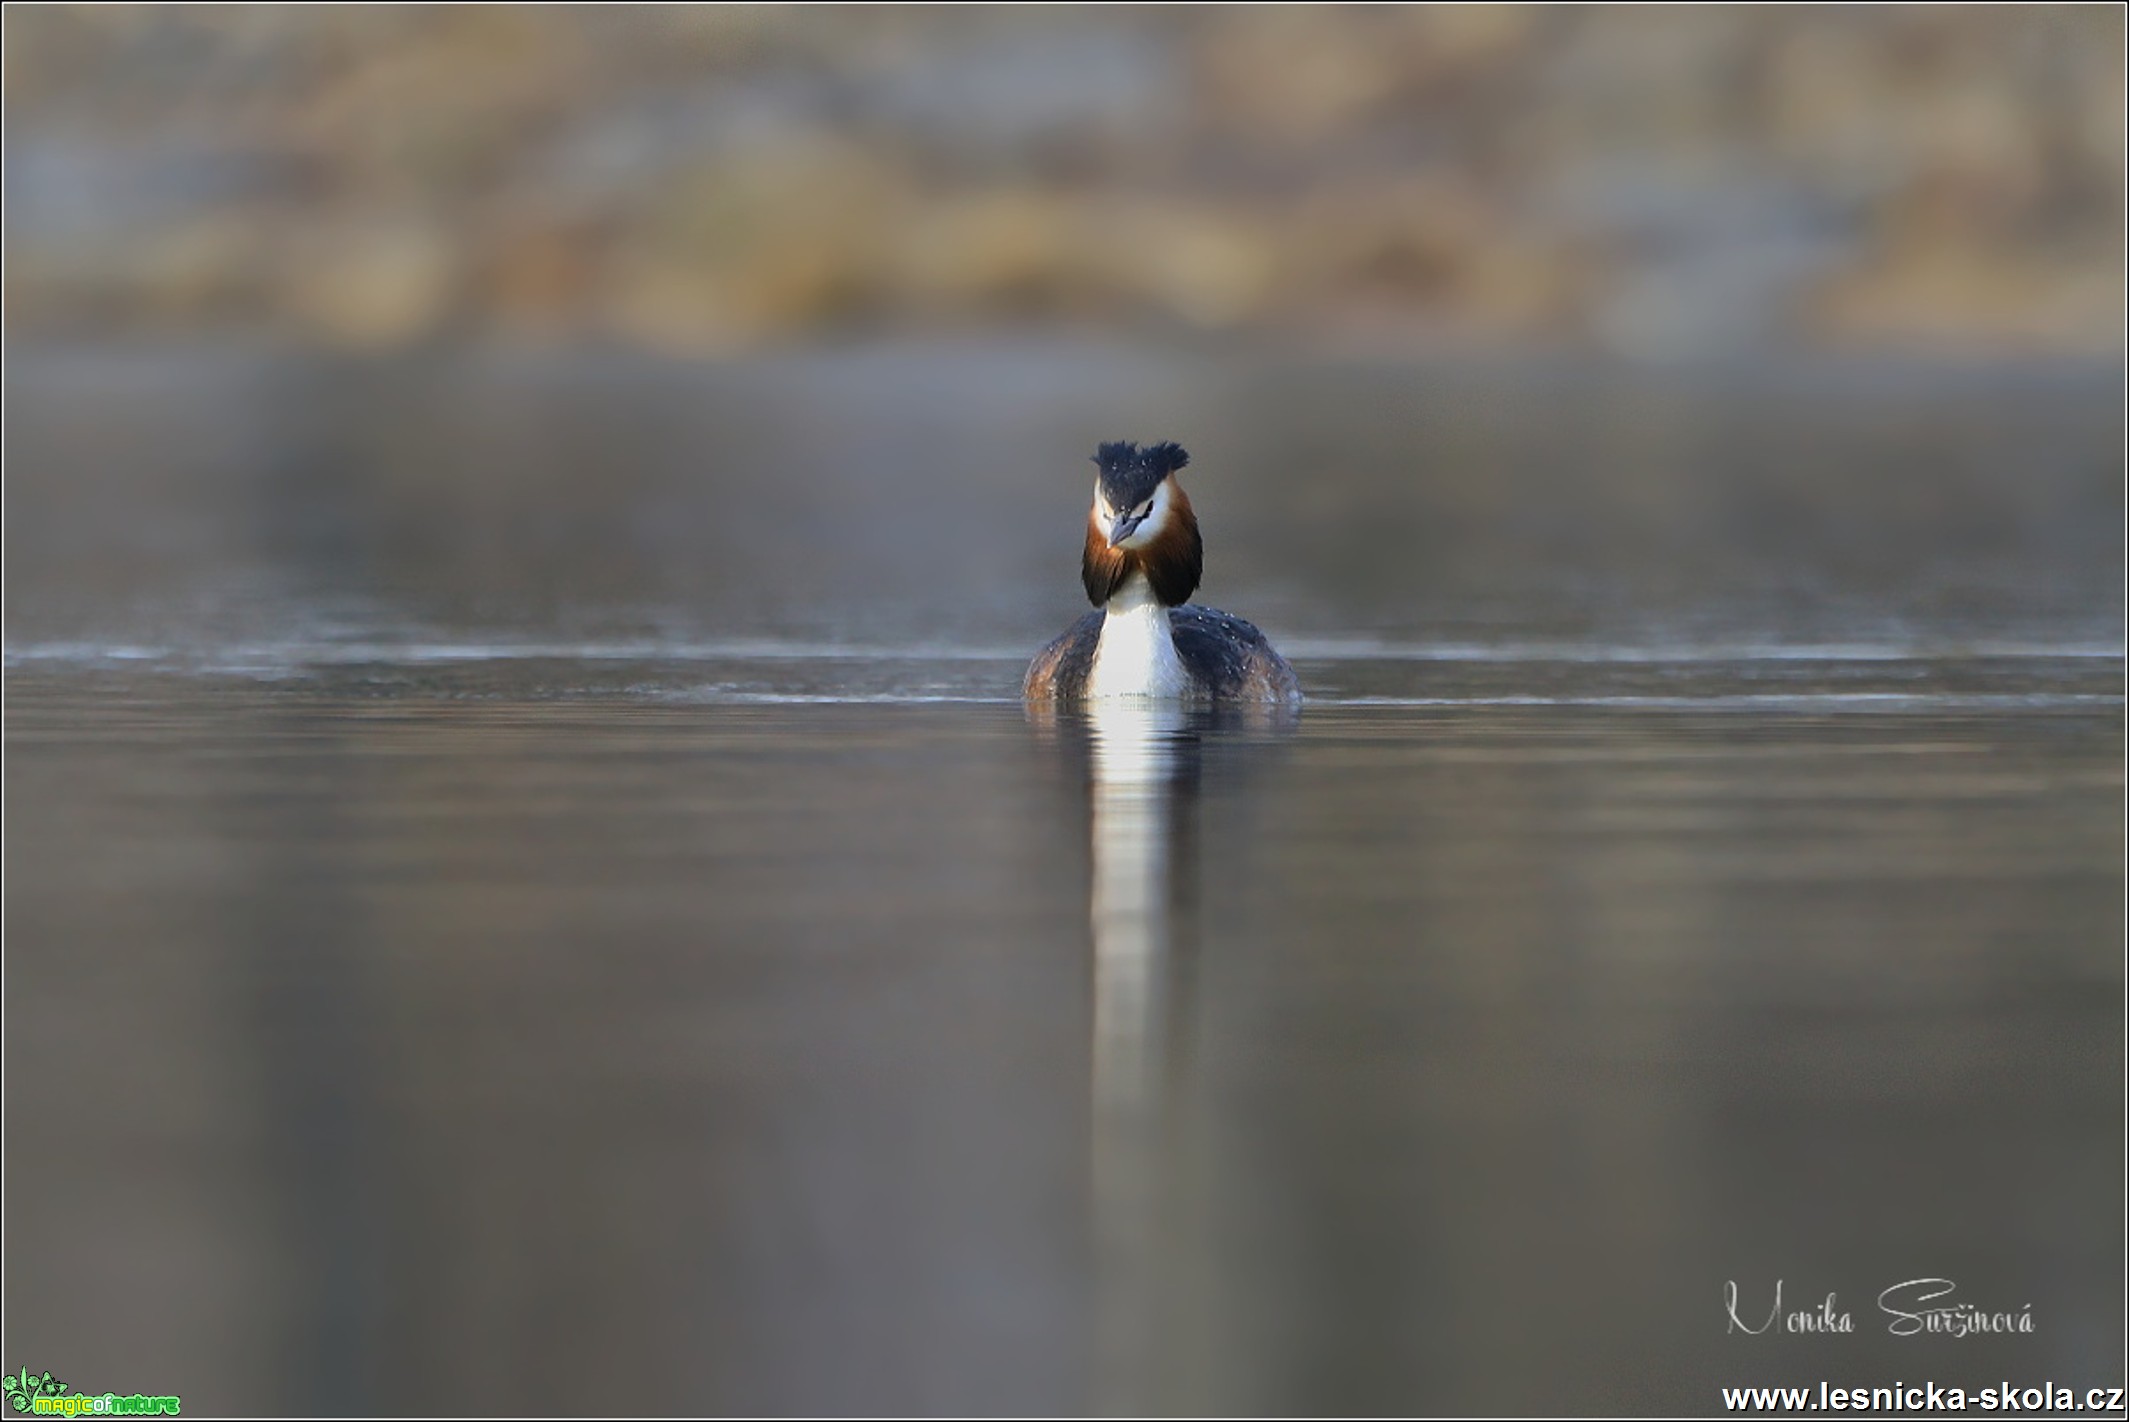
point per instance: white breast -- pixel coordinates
(1136, 654)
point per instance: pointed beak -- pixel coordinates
(1124, 527)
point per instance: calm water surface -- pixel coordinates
(456, 1031)
(436, 983)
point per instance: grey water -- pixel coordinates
(529, 887)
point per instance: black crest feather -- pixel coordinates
(1129, 475)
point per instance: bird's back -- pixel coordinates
(1060, 670)
(1229, 659)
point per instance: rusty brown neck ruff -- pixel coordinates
(1172, 563)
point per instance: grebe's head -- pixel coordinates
(1135, 492)
(1141, 523)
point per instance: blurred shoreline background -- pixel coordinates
(1655, 182)
(1740, 326)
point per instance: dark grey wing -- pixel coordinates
(1059, 671)
(1229, 657)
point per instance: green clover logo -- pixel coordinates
(25, 1385)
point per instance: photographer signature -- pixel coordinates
(1915, 1306)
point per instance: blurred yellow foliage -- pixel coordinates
(717, 178)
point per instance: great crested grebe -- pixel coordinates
(1142, 561)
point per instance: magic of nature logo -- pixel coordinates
(47, 1396)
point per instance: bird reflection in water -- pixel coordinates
(1147, 763)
